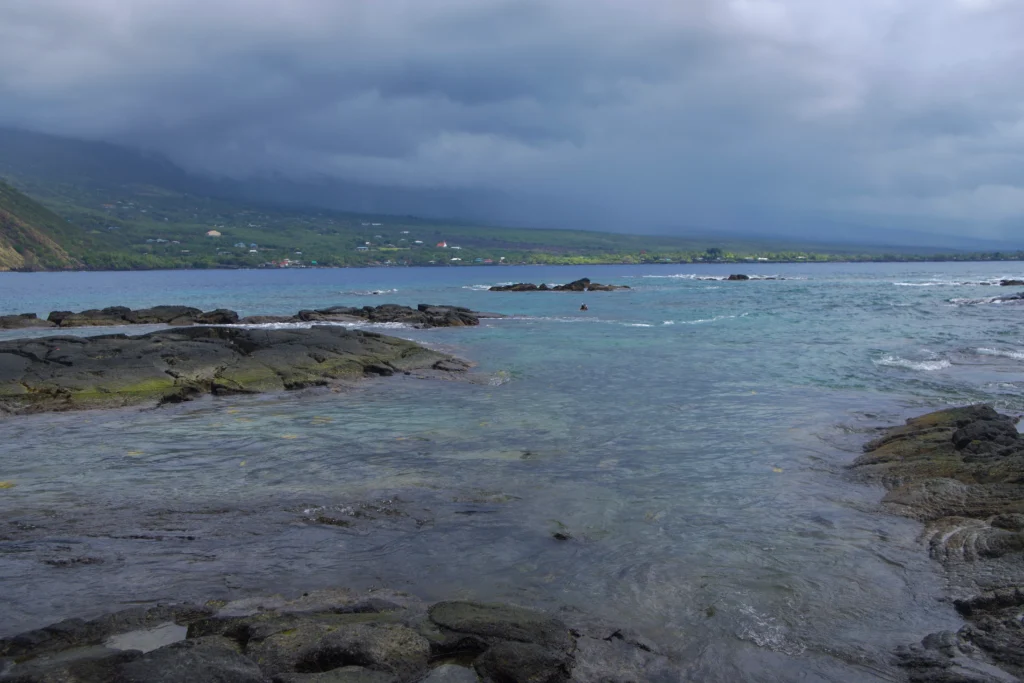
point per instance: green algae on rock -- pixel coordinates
(70, 373)
(961, 472)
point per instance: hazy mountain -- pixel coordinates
(51, 167)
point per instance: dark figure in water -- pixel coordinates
(584, 308)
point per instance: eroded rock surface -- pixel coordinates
(67, 373)
(337, 636)
(961, 472)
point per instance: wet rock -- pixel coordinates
(1011, 283)
(204, 659)
(317, 647)
(450, 673)
(738, 276)
(338, 636)
(581, 285)
(85, 665)
(22, 321)
(523, 663)
(66, 373)
(159, 314)
(220, 316)
(74, 633)
(423, 316)
(962, 472)
(346, 674)
(496, 622)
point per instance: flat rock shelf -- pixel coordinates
(69, 373)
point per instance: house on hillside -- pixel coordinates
(362, 248)
(213, 233)
(442, 245)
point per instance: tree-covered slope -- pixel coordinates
(34, 238)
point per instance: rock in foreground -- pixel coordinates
(68, 373)
(961, 472)
(331, 637)
(581, 285)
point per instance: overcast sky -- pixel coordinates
(902, 112)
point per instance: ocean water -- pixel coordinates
(690, 434)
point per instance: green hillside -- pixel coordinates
(34, 238)
(100, 206)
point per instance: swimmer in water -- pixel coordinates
(584, 308)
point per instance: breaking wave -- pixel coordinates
(1002, 353)
(716, 278)
(307, 325)
(919, 365)
(1005, 299)
(370, 292)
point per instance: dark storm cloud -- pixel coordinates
(654, 111)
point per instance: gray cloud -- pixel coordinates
(649, 112)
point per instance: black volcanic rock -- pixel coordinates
(581, 285)
(23, 320)
(334, 636)
(67, 373)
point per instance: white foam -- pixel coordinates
(370, 292)
(307, 325)
(719, 278)
(921, 365)
(1004, 299)
(637, 325)
(1003, 353)
(765, 631)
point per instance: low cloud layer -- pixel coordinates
(653, 112)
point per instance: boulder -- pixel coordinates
(1011, 283)
(160, 314)
(523, 663)
(203, 659)
(220, 316)
(22, 321)
(114, 315)
(738, 276)
(88, 665)
(496, 622)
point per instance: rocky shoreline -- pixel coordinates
(70, 373)
(423, 316)
(961, 472)
(335, 636)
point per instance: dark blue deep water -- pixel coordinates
(690, 434)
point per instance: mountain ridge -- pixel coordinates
(34, 238)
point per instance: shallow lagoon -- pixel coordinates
(689, 434)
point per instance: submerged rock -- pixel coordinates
(344, 637)
(961, 471)
(581, 285)
(68, 373)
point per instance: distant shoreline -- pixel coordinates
(516, 265)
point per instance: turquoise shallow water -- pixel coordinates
(689, 433)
